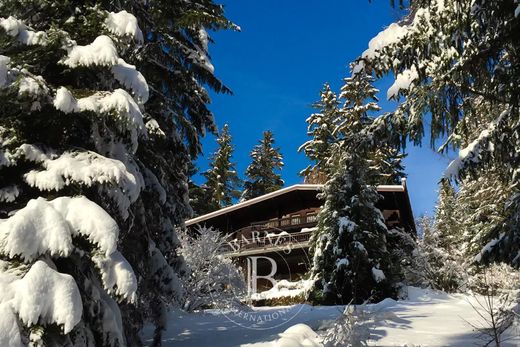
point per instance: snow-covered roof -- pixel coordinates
(296, 187)
(254, 201)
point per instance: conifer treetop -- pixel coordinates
(222, 181)
(262, 172)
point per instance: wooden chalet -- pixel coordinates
(272, 224)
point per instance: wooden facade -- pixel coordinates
(271, 224)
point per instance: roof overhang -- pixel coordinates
(280, 192)
(253, 201)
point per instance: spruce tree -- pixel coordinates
(481, 209)
(433, 265)
(97, 123)
(447, 223)
(321, 127)
(360, 98)
(349, 247)
(449, 60)
(329, 127)
(262, 174)
(483, 196)
(199, 196)
(222, 182)
(360, 101)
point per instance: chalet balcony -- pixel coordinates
(306, 219)
(273, 235)
(277, 234)
(271, 242)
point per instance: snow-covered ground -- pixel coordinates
(426, 318)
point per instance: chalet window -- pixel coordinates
(285, 220)
(311, 218)
(295, 219)
(392, 217)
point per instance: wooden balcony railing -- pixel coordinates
(267, 242)
(272, 234)
(287, 223)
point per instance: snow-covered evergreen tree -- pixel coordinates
(360, 99)
(360, 102)
(351, 328)
(211, 279)
(350, 254)
(321, 127)
(465, 221)
(387, 161)
(329, 127)
(96, 124)
(222, 182)
(447, 222)
(481, 209)
(349, 248)
(449, 59)
(431, 264)
(198, 195)
(262, 174)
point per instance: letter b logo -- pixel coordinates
(252, 273)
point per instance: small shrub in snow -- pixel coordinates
(349, 329)
(281, 301)
(210, 279)
(355, 326)
(497, 276)
(498, 307)
(283, 293)
(284, 288)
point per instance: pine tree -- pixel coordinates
(433, 265)
(443, 246)
(447, 223)
(329, 127)
(262, 172)
(360, 100)
(454, 62)
(321, 127)
(350, 253)
(97, 123)
(222, 182)
(199, 196)
(481, 209)
(387, 161)
(483, 195)
(349, 247)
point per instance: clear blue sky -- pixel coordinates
(276, 67)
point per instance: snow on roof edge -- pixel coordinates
(253, 201)
(380, 188)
